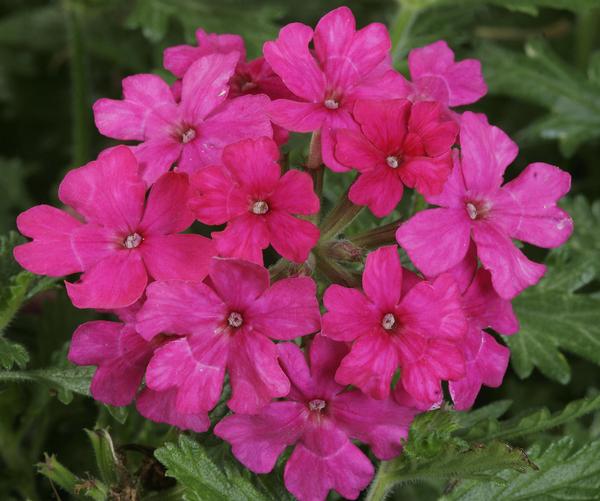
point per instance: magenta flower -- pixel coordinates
(227, 323)
(486, 359)
(399, 144)
(118, 351)
(249, 193)
(122, 356)
(191, 133)
(437, 77)
(418, 329)
(346, 65)
(179, 58)
(320, 419)
(124, 239)
(475, 206)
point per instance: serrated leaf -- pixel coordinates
(202, 479)
(553, 316)
(433, 452)
(533, 422)
(565, 472)
(12, 354)
(541, 77)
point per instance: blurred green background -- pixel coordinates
(541, 60)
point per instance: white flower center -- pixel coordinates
(317, 404)
(235, 319)
(388, 321)
(188, 135)
(392, 161)
(260, 207)
(331, 104)
(471, 210)
(132, 241)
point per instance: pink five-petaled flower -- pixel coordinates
(121, 356)
(249, 193)
(227, 323)
(486, 359)
(437, 77)
(320, 418)
(399, 144)
(125, 238)
(191, 133)
(346, 65)
(475, 205)
(418, 330)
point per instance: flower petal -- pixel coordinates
(383, 122)
(256, 377)
(511, 271)
(50, 253)
(353, 149)
(349, 314)
(257, 441)
(296, 115)
(107, 191)
(245, 237)
(239, 283)
(528, 210)
(287, 310)
(383, 424)
(290, 58)
(370, 365)
(114, 282)
(435, 239)
(382, 278)
(177, 257)
(166, 208)
(155, 157)
(180, 307)
(292, 237)
(159, 406)
(295, 194)
(195, 365)
(205, 85)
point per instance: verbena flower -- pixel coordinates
(226, 324)
(190, 133)
(320, 418)
(474, 205)
(415, 327)
(399, 144)
(258, 204)
(345, 65)
(437, 77)
(120, 239)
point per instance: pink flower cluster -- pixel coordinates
(192, 309)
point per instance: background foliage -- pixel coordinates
(538, 437)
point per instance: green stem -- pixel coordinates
(80, 102)
(380, 486)
(401, 28)
(384, 235)
(339, 218)
(586, 33)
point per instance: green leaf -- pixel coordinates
(553, 315)
(565, 472)
(255, 22)
(65, 381)
(11, 354)
(534, 422)
(433, 452)
(202, 479)
(107, 461)
(542, 78)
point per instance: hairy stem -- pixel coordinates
(401, 27)
(380, 486)
(371, 239)
(80, 102)
(339, 218)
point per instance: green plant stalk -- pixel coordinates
(371, 239)
(339, 218)
(380, 486)
(401, 26)
(80, 102)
